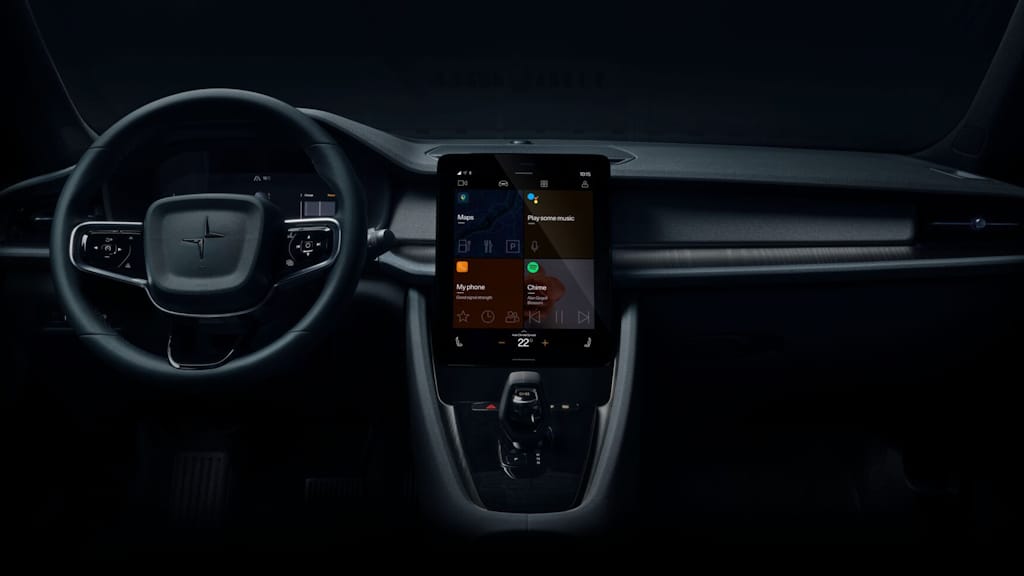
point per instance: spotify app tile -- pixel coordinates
(559, 294)
(558, 260)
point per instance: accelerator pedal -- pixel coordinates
(199, 490)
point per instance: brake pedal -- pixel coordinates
(333, 493)
(199, 489)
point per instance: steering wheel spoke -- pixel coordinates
(111, 250)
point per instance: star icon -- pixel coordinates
(463, 316)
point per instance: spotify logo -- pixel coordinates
(532, 267)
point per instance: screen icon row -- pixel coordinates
(465, 246)
(488, 317)
(583, 317)
(463, 183)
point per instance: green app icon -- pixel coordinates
(532, 267)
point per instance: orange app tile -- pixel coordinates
(462, 266)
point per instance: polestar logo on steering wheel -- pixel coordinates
(201, 241)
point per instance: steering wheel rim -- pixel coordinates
(97, 164)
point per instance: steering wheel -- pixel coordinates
(208, 256)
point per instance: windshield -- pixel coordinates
(888, 76)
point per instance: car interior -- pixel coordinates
(320, 276)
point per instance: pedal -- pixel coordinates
(329, 494)
(199, 490)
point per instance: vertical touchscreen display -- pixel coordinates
(522, 258)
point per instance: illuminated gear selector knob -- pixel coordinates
(525, 434)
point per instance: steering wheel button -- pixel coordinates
(103, 250)
(307, 247)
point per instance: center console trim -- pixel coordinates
(446, 495)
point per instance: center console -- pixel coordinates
(515, 356)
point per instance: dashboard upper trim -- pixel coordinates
(663, 275)
(837, 169)
(614, 154)
(23, 252)
(694, 162)
(39, 180)
(629, 258)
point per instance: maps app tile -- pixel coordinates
(488, 224)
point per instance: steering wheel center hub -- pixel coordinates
(211, 254)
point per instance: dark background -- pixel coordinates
(877, 76)
(893, 76)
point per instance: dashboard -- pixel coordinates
(679, 213)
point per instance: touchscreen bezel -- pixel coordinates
(477, 347)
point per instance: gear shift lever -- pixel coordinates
(522, 417)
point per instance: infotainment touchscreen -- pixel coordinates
(523, 260)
